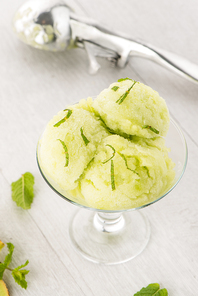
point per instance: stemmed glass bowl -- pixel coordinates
(112, 237)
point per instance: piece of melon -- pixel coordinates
(3, 289)
(1, 245)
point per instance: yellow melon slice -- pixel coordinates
(3, 289)
(1, 245)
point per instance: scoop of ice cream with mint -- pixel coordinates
(126, 174)
(68, 145)
(132, 108)
(108, 153)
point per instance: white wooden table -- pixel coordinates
(34, 85)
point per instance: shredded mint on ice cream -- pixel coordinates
(113, 154)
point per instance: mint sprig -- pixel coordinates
(18, 273)
(152, 290)
(23, 191)
(7, 260)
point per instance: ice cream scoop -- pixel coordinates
(133, 108)
(142, 171)
(69, 143)
(51, 25)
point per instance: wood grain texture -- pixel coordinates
(34, 86)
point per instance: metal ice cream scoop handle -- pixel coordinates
(51, 25)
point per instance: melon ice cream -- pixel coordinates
(132, 108)
(69, 143)
(127, 174)
(110, 155)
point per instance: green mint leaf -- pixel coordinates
(8, 257)
(18, 273)
(151, 128)
(2, 269)
(86, 141)
(123, 97)
(66, 152)
(7, 260)
(112, 154)
(115, 87)
(69, 112)
(21, 266)
(123, 79)
(152, 290)
(23, 191)
(112, 176)
(162, 292)
(19, 277)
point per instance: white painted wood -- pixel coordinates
(35, 85)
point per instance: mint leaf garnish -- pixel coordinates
(151, 128)
(152, 290)
(19, 277)
(115, 87)
(66, 152)
(7, 260)
(2, 269)
(8, 257)
(69, 112)
(112, 176)
(123, 79)
(18, 273)
(23, 191)
(123, 97)
(112, 154)
(86, 141)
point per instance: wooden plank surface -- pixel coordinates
(34, 86)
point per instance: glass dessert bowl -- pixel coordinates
(116, 236)
(109, 157)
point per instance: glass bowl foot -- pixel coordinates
(109, 238)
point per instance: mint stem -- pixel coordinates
(9, 268)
